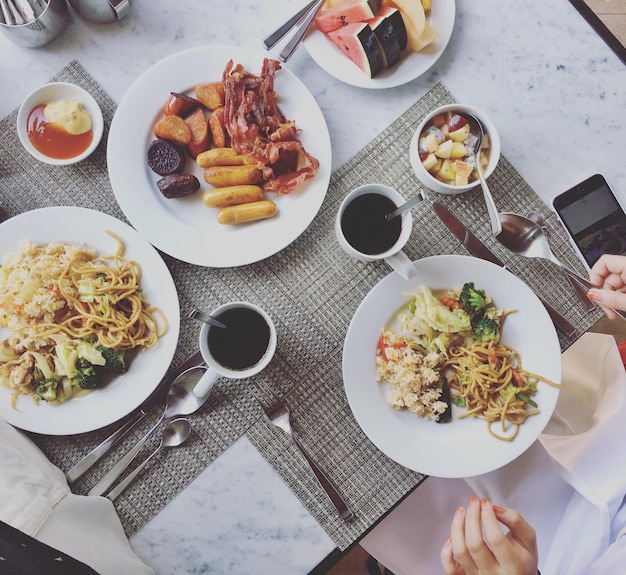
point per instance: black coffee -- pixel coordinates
(364, 225)
(244, 341)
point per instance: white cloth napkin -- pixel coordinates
(570, 484)
(35, 498)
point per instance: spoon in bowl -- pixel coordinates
(174, 434)
(476, 128)
(524, 237)
(580, 291)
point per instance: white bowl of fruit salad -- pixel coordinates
(441, 151)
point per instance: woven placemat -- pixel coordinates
(311, 289)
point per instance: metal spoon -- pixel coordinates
(174, 434)
(526, 238)
(206, 318)
(406, 206)
(580, 291)
(181, 400)
(476, 128)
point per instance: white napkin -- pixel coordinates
(35, 498)
(569, 485)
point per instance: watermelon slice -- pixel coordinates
(359, 43)
(386, 36)
(348, 12)
(394, 17)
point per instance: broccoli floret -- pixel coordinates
(473, 300)
(115, 359)
(486, 328)
(48, 389)
(86, 376)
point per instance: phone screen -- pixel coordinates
(594, 218)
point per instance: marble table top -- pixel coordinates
(550, 84)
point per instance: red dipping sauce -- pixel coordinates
(52, 140)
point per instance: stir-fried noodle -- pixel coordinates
(489, 378)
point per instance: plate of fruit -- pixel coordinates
(380, 43)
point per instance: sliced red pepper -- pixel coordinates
(382, 346)
(517, 378)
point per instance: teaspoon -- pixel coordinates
(476, 128)
(206, 318)
(406, 206)
(524, 237)
(174, 434)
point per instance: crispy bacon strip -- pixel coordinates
(258, 128)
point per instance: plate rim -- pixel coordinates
(95, 222)
(396, 448)
(187, 239)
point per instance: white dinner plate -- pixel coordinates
(462, 447)
(184, 227)
(411, 66)
(126, 392)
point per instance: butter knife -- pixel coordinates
(156, 398)
(478, 249)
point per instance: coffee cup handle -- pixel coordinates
(206, 382)
(401, 263)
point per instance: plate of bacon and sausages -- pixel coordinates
(218, 156)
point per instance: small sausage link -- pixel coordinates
(221, 176)
(247, 212)
(232, 196)
(222, 157)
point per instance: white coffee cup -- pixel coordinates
(244, 352)
(354, 218)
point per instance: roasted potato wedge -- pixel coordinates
(173, 128)
(219, 135)
(211, 95)
(199, 127)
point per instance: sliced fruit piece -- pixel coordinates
(346, 13)
(460, 134)
(386, 36)
(431, 143)
(430, 161)
(392, 14)
(359, 43)
(458, 150)
(444, 151)
(428, 36)
(414, 19)
(447, 173)
(463, 169)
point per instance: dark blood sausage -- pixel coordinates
(165, 157)
(178, 185)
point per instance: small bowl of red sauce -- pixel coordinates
(60, 123)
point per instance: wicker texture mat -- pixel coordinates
(311, 290)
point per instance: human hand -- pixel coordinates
(609, 274)
(467, 553)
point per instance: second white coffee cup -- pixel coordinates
(241, 349)
(363, 232)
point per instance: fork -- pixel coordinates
(278, 414)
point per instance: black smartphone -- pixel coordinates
(594, 218)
